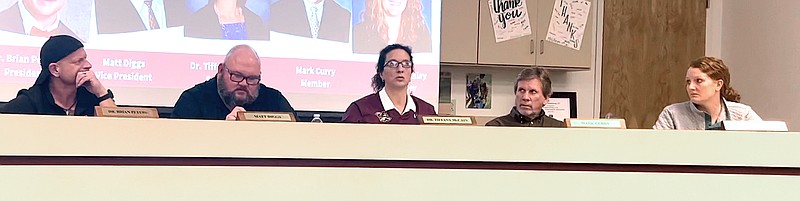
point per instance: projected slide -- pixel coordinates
(320, 53)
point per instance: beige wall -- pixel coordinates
(714, 28)
(758, 41)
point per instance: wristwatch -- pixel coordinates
(107, 96)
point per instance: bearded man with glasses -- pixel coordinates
(235, 88)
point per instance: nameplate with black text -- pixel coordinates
(448, 120)
(266, 116)
(129, 112)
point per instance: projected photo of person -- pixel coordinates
(41, 18)
(226, 19)
(327, 19)
(385, 22)
(124, 16)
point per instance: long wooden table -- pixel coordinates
(92, 158)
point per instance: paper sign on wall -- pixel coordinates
(568, 23)
(558, 108)
(509, 19)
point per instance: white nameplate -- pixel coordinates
(266, 116)
(129, 112)
(448, 120)
(596, 123)
(754, 126)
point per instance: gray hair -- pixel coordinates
(536, 73)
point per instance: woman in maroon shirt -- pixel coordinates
(391, 103)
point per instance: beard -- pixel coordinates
(230, 99)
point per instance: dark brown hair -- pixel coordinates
(377, 82)
(717, 70)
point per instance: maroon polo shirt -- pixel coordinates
(369, 109)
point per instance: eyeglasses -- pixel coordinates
(394, 64)
(238, 78)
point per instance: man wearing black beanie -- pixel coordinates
(65, 86)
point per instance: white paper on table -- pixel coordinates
(558, 108)
(509, 19)
(568, 23)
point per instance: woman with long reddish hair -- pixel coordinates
(712, 100)
(387, 22)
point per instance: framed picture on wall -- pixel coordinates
(562, 105)
(478, 91)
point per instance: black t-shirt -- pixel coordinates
(39, 100)
(203, 102)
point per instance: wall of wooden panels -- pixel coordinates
(647, 46)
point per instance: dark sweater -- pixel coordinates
(203, 102)
(515, 119)
(39, 100)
